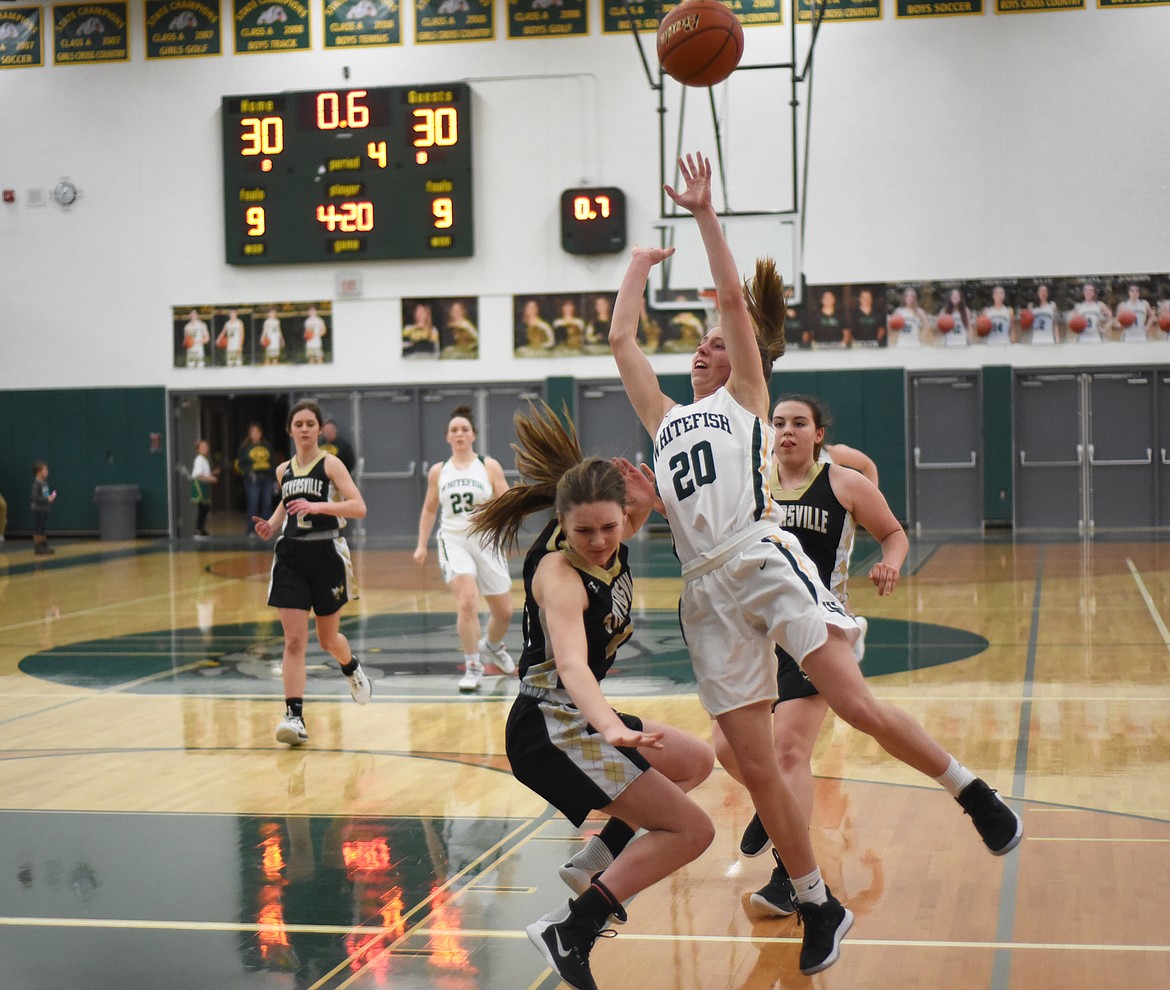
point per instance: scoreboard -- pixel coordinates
(348, 175)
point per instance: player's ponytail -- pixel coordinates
(767, 305)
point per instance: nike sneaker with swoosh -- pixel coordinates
(565, 940)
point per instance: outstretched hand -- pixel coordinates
(697, 195)
(622, 735)
(641, 487)
(652, 254)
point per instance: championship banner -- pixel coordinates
(1116, 4)
(270, 26)
(547, 18)
(752, 12)
(1036, 6)
(453, 20)
(839, 10)
(183, 28)
(939, 8)
(20, 37)
(362, 23)
(617, 17)
(90, 32)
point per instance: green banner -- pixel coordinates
(270, 26)
(617, 17)
(183, 28)
(752, 12)
(90, 32)
(20, 38)
(840, 10)
(1036, 6)
(547, 18)
(362, 23)
(938, 8)
(453, 20)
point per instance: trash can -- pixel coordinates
(117, 510)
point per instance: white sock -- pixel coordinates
(470, 658)
(955, 777)
(494, 647)
(810, 889)
(595, 857)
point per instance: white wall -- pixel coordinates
(964, 147)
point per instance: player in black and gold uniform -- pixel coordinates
(311, 568)
(563, 739)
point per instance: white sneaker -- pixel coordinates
(291, 730)
(359, 686)
(472, 675)
(859, 646)
(501, 657)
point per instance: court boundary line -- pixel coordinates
(1151, 605)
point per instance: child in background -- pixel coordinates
(42, 498)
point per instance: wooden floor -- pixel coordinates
(154, 834)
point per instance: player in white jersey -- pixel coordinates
(1137, 328)
(196, 337)
(231, 339)
(907, 329)
(315, 331)
(1043, 317)
(954, 330)
(1095, 314)
(272, 338)
(455, 488)
(1002, 318)
(747, 584)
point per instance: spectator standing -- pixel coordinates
(256, 461)
(42, 498)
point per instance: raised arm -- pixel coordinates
(851, 457)
(637, 375)
(746, 383)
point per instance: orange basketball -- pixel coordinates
(700, 42)
(264, 341)
(188, 341)
(983, 326)
(1026, 318)
(221, 342)
(1077, 323)
(1164, 321)
(1127, 317)
(897, 321)
(946, 323)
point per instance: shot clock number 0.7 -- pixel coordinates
(341, 175)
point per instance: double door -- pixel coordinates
(946, 443)
(1092, 449)
(399, 433)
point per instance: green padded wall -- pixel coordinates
(88, 437)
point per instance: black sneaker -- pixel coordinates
(755, 840)
(824, 927)
(998, 826)
(565, 941)
(778, 896)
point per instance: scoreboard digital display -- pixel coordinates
(348, 175)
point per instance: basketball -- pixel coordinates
(897, 321)
(221, 342)
(983, 326)
(946, 323)
(1077, 323)
(1127, 318)
(1164, 322)
(188, 340)
(264, 341)
(700, 42)
(1026, 318)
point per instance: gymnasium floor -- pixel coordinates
(153, 834)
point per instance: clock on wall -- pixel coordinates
(593, 220)
(64, 192)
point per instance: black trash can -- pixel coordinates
(117, 511)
